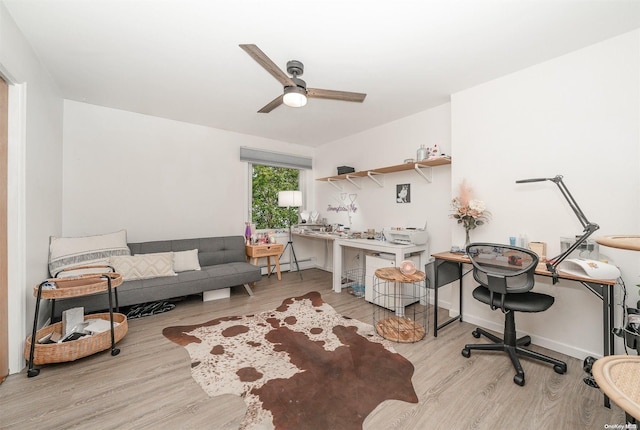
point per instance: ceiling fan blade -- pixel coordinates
(272, 104)
(262, 59)
(346, 96)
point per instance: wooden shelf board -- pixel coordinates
(390, 169)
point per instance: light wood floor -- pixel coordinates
(149, 384)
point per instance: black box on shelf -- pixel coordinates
(345, 169)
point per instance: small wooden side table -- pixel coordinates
(266, 250)
(402, 311)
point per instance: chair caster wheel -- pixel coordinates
(466, 353)
(519, 379)
(115, 352)
(476, 334)
(587, 364)
(560, 368)
(33, 372)
(527, 341)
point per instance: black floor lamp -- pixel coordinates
(290, 199)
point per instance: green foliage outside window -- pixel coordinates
(266, 182)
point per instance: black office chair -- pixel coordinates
(506, 276)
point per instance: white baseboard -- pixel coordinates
(309, 263)
(569, 350)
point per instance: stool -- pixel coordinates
(401, 314)
(618, 376)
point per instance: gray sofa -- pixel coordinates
(223, 264)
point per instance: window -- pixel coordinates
(270, 172)
(266, 181)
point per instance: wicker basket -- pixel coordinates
(79, 285)
(69, 351)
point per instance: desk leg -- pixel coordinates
(435, 300)
(437, 286)
(268, 266)
(278, 268)
(608, 305)
(337, 266)
(460, 291)
(605, 293)
(608, 323)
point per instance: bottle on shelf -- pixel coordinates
(422, 153)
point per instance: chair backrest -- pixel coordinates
(503, 269)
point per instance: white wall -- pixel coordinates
(383, 146)
(35, 194)
(156, 178)
(577, 116)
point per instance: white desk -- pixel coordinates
(400, 252)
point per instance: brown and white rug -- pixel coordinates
(300, 366)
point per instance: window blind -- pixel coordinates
(277, 159)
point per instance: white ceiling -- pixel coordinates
(180, 59)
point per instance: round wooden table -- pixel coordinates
(621, 241)
(391, 318)
(618, 376)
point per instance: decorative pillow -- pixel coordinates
(68, 252)
(186, 260)
(144, 266)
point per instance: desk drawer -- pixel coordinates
(265, 250)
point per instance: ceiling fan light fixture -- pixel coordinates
(295, 96)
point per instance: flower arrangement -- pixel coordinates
(468, 211)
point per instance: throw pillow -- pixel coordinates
(144, 266)
(69, 252)
(186, 260)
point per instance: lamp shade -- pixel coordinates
(289, 199)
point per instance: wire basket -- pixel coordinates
(402, 311)
(353, 279)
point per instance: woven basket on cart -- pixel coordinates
(46, 353)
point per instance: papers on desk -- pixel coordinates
(500, 258)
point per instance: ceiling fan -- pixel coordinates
(295, 89)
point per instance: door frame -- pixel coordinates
(16, 220)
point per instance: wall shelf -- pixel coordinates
(423, 168)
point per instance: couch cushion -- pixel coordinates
(219, 250)
(211, 250)
(231, 274)
(184, 261)
(144, 266)
(68, 252)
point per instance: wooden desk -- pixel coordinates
(450, 265)
(266, 250)
(400, 252)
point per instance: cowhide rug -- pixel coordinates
(300, 366)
